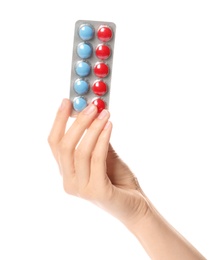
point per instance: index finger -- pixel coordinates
(59, 125)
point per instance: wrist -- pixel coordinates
(160, 240)
(144, 217)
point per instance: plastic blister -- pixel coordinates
(92, 61)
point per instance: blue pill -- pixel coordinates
(81, 86)
(82, 69)
(84, 50)
(86, 32)
(79, 103)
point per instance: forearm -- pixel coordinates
(161, 241)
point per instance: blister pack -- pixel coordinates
(92, 60)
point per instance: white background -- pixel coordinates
(165, 107)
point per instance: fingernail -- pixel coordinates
(108, 124)
(89, 109)
(63, 105)
(103, 114)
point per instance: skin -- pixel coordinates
(92, 170)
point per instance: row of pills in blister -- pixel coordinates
(92, 61)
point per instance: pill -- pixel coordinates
(99, 87)
(101, 69)
(103, 51)
(99, 103)
(82, 68)
(84, 50)
(104, 33)
(81, 86)
(79, 103)
(86, 32)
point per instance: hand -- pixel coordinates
(92, 170)
(90, 167)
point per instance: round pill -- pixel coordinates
(86, 32)
(82, 68)
(84, 50)
(101, 69)
(99, 103)
(81, 86)
(99, 87)
(104, 33)
(79, 103)
(103, 51)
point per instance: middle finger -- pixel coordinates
(86, 147)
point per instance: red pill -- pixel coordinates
(99, 87)
(99, 103)
(104, 33)
(101, 69)
(103, 51)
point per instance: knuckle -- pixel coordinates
(88, 193)
(50, 140)
(64, 146)
(80, 153)
(68, 188)
(75, 190)
(96, 158)
(84, 195)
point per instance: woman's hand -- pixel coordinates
(89, 166)
(92, 170)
